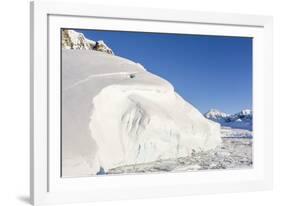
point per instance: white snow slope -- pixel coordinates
(115, 113)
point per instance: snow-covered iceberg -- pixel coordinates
(116, 113)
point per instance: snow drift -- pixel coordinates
(116, 113)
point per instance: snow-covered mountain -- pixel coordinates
(242, 119)
(75, 40)
(115, 113)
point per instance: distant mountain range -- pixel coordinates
(241, 120)
(75, 40)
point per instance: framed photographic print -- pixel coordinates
(137, 103)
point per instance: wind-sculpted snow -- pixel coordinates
(115, 113)
(147, 122)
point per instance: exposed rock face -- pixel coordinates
(75, 40)
(101, 46)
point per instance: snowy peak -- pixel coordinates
(246, 112)
(215, 114)
(75, 40)
(242, 119)
(244, 115)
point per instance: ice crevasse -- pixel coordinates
(135, 117)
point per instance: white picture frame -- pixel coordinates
(46, 184)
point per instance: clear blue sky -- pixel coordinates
(207, 71)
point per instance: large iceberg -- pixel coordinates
(116, 113)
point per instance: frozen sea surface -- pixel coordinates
(234, 153)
